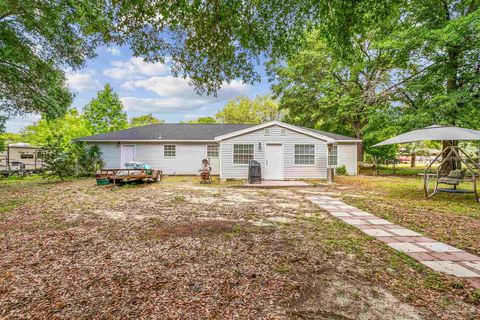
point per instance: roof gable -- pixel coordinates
(325, 136)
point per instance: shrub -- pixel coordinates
(66, 159)
(341, 171)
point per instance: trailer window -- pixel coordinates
(24, 155)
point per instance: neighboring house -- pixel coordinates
(284, 151)
(20, 156)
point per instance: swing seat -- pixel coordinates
(454, 178)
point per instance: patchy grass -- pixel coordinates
(450, 218)
(180, 250)
(195, 181)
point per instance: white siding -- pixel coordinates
(291, 171)
(188, 157)
(110, 155)
(347, 155)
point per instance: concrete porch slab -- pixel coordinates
(277, 184)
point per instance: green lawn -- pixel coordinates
(451, 218)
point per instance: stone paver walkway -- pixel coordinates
(435, 255)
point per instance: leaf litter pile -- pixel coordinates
(181, 251)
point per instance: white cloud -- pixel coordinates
(114, 51)
(82, 81)
(165, 105)
(134, 68)
(169, 86)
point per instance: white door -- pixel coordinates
(127, 154)
(274, 162)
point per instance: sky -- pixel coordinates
(145, 88)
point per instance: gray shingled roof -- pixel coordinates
(169, 131)
(330, 135)
(183, 131)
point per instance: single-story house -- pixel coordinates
(284, 151)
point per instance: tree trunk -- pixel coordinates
(413, 159)
(357, 127)
(451, 164)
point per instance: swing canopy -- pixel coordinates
(449, 170)
(433, 133)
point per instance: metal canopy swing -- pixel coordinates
(453, 161)
(454, 177)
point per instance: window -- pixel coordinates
(212, 150)
(332, 155)
(242, 153)
(24, 155)
(267, 131)
(169, 150)
(304, 154)
(283, 132)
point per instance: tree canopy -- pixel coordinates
(105, 113)
(38, 40)
(144, 120)
(436, 46)
(321, 89)
(209, 42)
(204, 120)
(72, 125)
(245, 110)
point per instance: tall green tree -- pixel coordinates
(437, 51)
(105, 113)
(321, 89)
(246, 110)
(39, 39)
(144, 120)
(71, 126)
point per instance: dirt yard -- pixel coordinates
(178, 250)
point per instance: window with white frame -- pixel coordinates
(267, 131)
(304, 154)
(169, 150)
(242, 153)
(332, 155)
(212, 150)
(283, 132)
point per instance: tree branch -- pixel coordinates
(408, 78)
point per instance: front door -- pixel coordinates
(127, 154)
(274, 162)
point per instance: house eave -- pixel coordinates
(147, 140)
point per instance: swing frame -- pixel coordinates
(456, 151)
